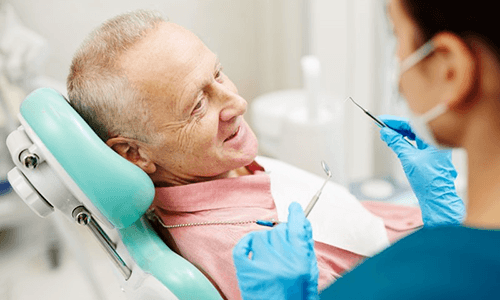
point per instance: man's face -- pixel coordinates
(195, 107)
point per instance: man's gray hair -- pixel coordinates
(100, 91)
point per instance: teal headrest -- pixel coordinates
(120, 190)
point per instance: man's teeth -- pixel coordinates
(233, 135)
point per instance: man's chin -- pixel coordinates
(244, 161)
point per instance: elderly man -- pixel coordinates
(157, 96)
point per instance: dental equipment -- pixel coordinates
(377, 120)
(316, 197)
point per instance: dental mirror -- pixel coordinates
(326, 169)
(316, 197)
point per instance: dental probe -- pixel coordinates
(316, 197)
(377, 120)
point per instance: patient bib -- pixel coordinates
(338, 218)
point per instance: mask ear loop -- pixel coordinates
(416, 57)
(408, 63)
(412, 60)
(435, 112)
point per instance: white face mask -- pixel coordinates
(420, 123)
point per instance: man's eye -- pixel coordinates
(218, 75)
(198, 106)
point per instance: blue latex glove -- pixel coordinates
(430, 172)
(283, 263)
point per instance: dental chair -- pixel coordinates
(62, 165)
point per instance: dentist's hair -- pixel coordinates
(477, 19)
(98, 89)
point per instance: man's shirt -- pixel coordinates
(247, 198)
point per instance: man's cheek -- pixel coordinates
(186, 139)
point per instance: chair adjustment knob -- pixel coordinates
(28, 193)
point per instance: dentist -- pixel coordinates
(450, 76)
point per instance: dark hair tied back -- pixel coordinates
(477, 18)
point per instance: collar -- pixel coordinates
(244, 191)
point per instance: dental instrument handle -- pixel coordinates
(405, 138)
(379, 122)
(382, 124)
(409, 142)
(312, 203)
(315, 198)
(318, 193)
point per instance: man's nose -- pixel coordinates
(233, 105)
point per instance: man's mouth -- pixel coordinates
(233, 135)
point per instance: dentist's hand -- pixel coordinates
(429, 171)
(282, 263)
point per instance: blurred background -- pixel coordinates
(295, 61)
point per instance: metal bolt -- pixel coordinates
(29, 160)
(82, 219)
(81, 215)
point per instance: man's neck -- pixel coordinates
(239, 172)
(170, 180)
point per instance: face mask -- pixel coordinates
(400, 67)
(420, 123)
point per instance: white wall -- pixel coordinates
(238, 31)
(344, 41)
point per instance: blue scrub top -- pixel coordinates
(438, 263)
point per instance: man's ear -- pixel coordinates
(458, 75)
(133, 151)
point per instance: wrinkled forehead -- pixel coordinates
(165, 49)
(166, 61)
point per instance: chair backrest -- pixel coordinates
(121, 191)
(62, 164)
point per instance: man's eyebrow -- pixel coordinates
(217, 63)
(194, 95)
(207, 80)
